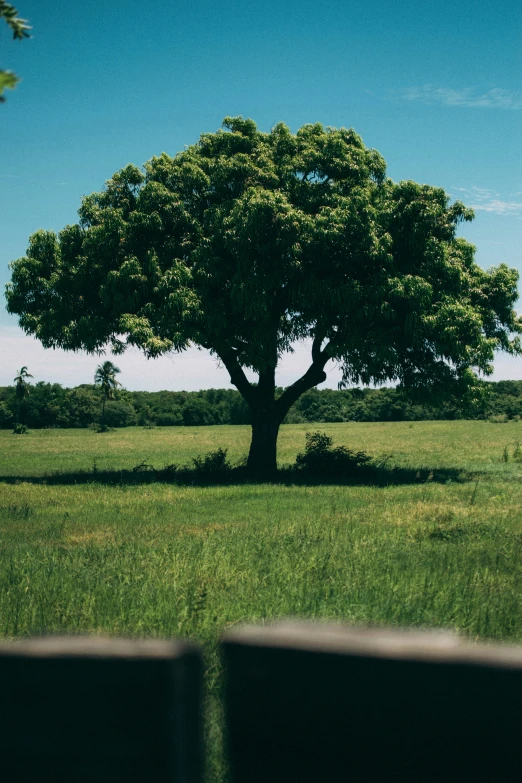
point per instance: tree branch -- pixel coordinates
(314, 375)
(316, 347)
(238, 377)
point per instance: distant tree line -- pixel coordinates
(51, 405)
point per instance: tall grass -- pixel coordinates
(159, 559)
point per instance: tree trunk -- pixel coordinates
(262, 458)
(268, 412)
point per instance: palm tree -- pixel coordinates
(22, 389)
(105, 378)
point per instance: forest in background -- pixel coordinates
(51, 405)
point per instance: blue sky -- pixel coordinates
(434, 86)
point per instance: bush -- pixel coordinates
(332, 414)
(198, 413)
(6, 416)
(173, 419)
(213, 464)
(119, 414)
(501, 418)
(294, 417)
(80, 408)
(320, 458)
(20, 429)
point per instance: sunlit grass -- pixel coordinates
(458, 444)
(160, 559)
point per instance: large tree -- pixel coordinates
(247, 242)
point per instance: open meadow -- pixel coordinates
(437, 544)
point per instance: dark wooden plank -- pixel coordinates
(78, 709)
(311, 702)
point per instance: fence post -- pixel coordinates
(318, 703)
(78, 709)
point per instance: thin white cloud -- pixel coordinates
(191, 370)
(466, 96)
(500, 207)
(487, 200)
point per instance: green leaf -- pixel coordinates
(7, 80)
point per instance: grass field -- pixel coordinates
(440, 548)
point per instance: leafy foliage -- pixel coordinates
(22, 384)
(21, 389)
(215, 463)
(321, 458)
(119, 413)
(50, 405)
(20, 30)
(105, 378)
(247, 242)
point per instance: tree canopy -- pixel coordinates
(22, 384)
(247, 242)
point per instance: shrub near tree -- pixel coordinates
(248, 241)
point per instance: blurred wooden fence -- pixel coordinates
(303, 702)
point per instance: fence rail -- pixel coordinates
(303, 702)
(80, 709)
